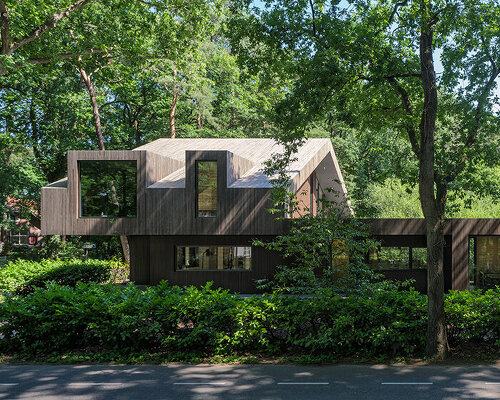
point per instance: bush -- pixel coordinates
(206, 322)
(474, 315)
(181, 323)
(22, 276)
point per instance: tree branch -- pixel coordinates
(394, 12)
(313, 18)
(65, 56)
(153, 4)
(405, 99)
(5, 29)
(49, 24)
(387, 77)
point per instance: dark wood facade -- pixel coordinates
(153, 259)
(411, 232)
(161, 210)
(167, 215)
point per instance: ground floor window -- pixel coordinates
(484, 261)
(213, 258)
(397, 258)
(19, 238)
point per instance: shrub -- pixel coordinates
(190, 323)
(22, 276)
(474, 315)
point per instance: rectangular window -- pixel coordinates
(19, 238)
(397, 258)
(487, 262)
(108, 188)
(213, 258)
(206, 188)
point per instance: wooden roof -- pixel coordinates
(251, 155)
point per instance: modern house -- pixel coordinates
(191, 208)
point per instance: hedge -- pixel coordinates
(171, 320)
(23, 276)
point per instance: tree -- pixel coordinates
(372, 64)
(324, 250)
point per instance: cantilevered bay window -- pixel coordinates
(108, 188)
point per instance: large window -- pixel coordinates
(213, 258)
(108, 188)
(485, 261)
(397, 258)
(206, 188)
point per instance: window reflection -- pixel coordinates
(200, 258)
(206, 183)
(108, 188)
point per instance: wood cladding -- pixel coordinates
(162, 211)
(153, 260)
(457, 233)
(166, 194)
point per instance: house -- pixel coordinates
(191, 208)
(471, 253)
(20, 224)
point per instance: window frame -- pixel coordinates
(197, 191)
(212, 270)
(79, 188)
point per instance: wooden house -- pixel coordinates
(191, 208)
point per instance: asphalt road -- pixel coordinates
(235, 382)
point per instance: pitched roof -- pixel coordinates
(314, 154)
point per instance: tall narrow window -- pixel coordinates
(206, 186)
(108, 188)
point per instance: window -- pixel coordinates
(108, 188)
(19, 238)
(206, 188)
(484, 262)
(213, 258)
(397, 258)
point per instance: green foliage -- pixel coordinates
(23, 276)
(191, 324)
(474, 315)
(394, 199)
(326, 250)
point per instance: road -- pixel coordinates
(235, 382)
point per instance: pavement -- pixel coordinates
(260, 381)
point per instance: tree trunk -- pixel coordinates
(5, 29)
(100, 140)
(95, 108)
(198, 121)
(433, 210)
(175, 97)
(125, 248)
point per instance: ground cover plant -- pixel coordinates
(23, 276)
(184, 324)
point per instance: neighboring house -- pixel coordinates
(17, 228)
(191, 208)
